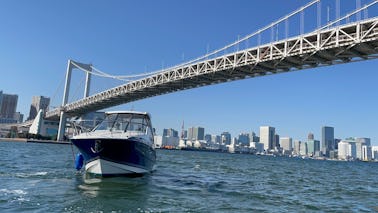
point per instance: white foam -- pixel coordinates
(40, 173)
(23, 175)
(15, 191)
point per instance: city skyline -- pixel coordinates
(36, 47)
(269, 142)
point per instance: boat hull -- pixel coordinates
(112, 157)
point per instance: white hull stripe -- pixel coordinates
(104, 167)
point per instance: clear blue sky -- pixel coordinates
(125, 37)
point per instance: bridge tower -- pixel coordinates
(63, 117)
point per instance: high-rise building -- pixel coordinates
(226, 138)
(374, 150)
(267, 137)
(276, 142)
(170, 133)
(303, 149)
(190, 133)
(351, 153)
(286, 143)
(310, 136)
(253, 137)
(312, 147)
(38, 103)
(343, 151)
(297, 147)
(359, 143)
(328, 140)
(353, 150)
(216, 139)
(366, 153)
(8, 105)
(337, 140)
(196, 133)
(184, 134)
(19, 117)
(207, 138)
(243, 139)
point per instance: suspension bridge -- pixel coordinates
(346, 39)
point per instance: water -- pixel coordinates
(41, 178)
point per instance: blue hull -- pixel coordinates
(129, 152)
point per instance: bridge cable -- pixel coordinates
(128, 78)
(57, 89)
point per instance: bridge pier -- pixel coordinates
(63, 116)
(62, 126)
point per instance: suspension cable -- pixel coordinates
(128, 78)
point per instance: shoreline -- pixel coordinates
(25, 140)
(13, 140)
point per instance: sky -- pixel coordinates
(129, 37)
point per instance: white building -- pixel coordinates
(303, 149)
(286, 143)
(360, 142)
(347, 150)
(343, 152)
(297, 147)
(43, 127)
(267, 137)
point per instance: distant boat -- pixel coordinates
(122, 144)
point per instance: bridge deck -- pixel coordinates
(342, 44)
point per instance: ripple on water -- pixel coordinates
(186, 182)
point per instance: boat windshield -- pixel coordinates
(125, 122)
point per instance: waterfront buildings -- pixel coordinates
(374, 150)
(360, 142)
(8, 105)
(310, 136)
(313, 146)
(184, 134)
(226, 138)
(247, 143)
(217, 139)
(207, 138)
(347, 149)
(253, 137)
(303, 149)
(366, 153)
(344, 148)
(328, 140)
(170, 133)
(259, 147)
(297, 147)
(243, 139)
(267, 137)
(18, 117)
(276, 141)
(38, 102)
(166, 141)
(196, 133)
(286, 143)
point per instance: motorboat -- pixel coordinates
(122, 144)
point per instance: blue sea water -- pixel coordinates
(42, 178)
